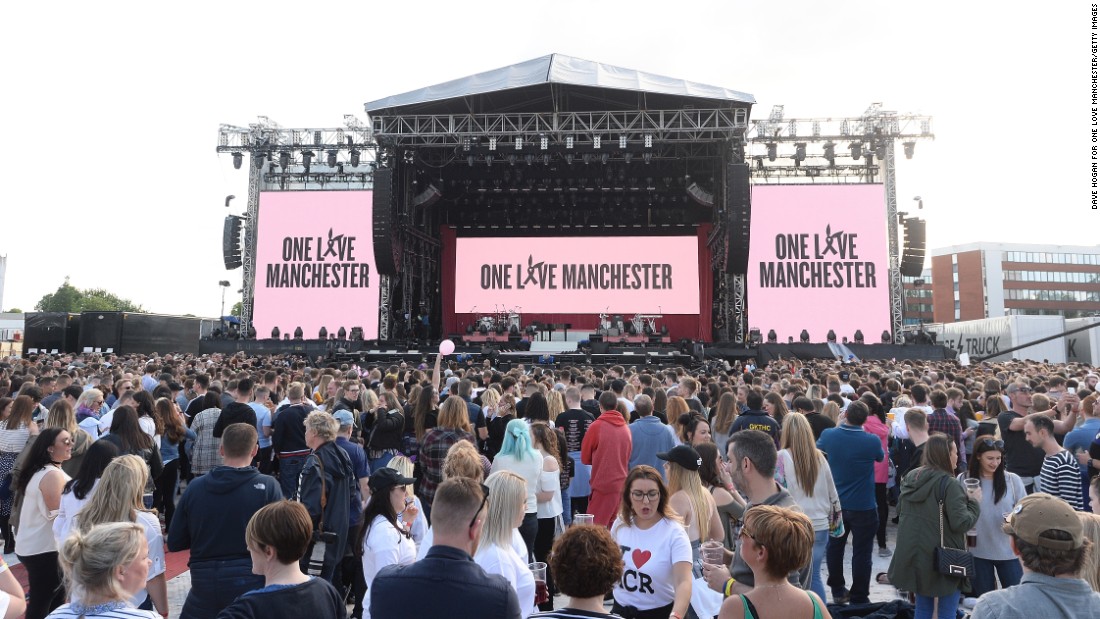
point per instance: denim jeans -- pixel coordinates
(861, 525)
(566, 508)
(821, 540)
(948, 609)
(290, 469)
(215, 584)
(1009, 572)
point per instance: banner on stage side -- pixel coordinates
(818, 261)
(578, 275)
(315, 263)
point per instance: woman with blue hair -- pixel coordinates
(519, 456)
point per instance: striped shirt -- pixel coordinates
(1062, 477)
(67, 612)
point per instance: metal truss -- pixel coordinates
(248, 250)
(897, 300)
(384, 285)
(662, 125)
(738, 315)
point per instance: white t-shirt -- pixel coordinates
(504, 561)
(550, 481)
(155, 539)
(530, 468)
(70, 505)
(648, 557)
(384, 546)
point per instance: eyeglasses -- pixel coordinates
(484, 502)
(992, 443)
(642, 497)
(1023, 390)
(67, 441)
(745, 532)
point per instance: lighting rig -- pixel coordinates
(283, 159)
(859, 149)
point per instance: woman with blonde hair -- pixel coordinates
(109, 564)
(691, 500)
(802, 469)
(726, 413)
(832, 411)
(463, 461)
(500, 549)
(1090, 571)
(89, 407)
(555, 403)
(404, 468)
(118, 498)
(519, 456)
(453, 426)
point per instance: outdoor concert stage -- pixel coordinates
(560, 199)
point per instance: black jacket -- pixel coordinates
(215, 509)
(235, 412)
(330, 464)
(385, 431)
(445, 583)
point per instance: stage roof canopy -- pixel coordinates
(558, 82)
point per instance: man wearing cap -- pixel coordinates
(1047, 535)
(846, 387)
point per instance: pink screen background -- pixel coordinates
(679, 252)
(312, 214)
(796, 209)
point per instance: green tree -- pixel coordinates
(237, 309)
(68, 298)
(15, 310)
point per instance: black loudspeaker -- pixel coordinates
(387, 247)
(912, 257)
(738, 215)
(231, 242)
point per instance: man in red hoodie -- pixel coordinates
(606, 447)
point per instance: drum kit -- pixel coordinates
(502, 320)
(639, 324)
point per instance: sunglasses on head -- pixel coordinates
(992, 443)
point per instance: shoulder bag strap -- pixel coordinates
(941, 496)
(324, 496)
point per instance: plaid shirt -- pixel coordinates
(946, 423)
(205, 456)
(432, 453)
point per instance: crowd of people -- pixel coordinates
(458, 490)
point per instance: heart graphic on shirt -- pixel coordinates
(641, 557)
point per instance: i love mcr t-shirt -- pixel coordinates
(648, 556)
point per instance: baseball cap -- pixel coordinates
(174, 386)
(1040, 512)
(385, 478)
(684, 456)
(344, 417)
(845, 376)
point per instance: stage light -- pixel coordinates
(880, 150)
(804, 337)
(529, 158)
(587, 158)
(569, 141)
(286, 336)
(284, 160)
(519, 143)
(622, 141)
(544, 142)
(772, 150)
(857, 150)
(470, 160)
(511, 160)
(603, 158)
(355, 159)
(322, 333)
(332, 159)
(831, 336)
(859, 336)
(342, 333)
(772, 337)
(830, 154)
(800, 152)
(648, 140)
(627, 157)
(275, 333)
(298, 333)
(489, 160)
(596, 141)
(869, 158)
(237, 159)
(258, 160)
(647, 157)
(492, 143)
(909, 148)
(790, 339)
(886, 337)
(307, 160)
(569, 158)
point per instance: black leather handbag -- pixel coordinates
(951, 561)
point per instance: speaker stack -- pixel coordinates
(738, 211)
(387, 244)
(912, 257)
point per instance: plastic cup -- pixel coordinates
(972, 484)
(584, 519)
(890, 416)
(538, 570)
(712, 552)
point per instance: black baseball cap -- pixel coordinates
(385, 478)
(683, 455)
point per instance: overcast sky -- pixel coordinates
(112, 109)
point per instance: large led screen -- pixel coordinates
(818, 261)
(315, 263)
(578, 275)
